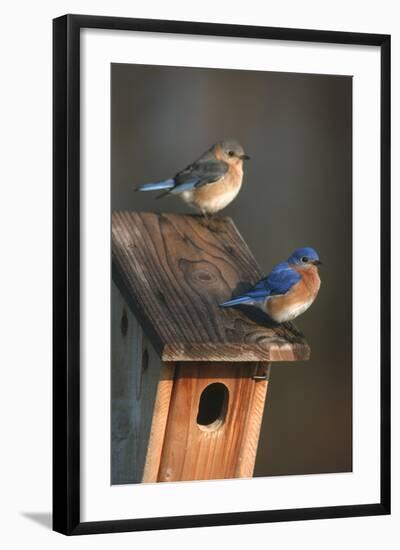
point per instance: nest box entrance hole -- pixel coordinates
(213, 407)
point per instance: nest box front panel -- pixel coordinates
(213, 422)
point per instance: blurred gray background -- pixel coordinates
(297, 191)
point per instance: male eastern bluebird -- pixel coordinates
(288, 290)
(211, 182)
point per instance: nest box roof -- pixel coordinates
(173, 270)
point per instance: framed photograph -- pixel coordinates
(221, 274)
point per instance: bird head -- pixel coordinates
(304, 257)
(230, 151)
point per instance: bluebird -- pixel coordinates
(288, 291)
(210, 183)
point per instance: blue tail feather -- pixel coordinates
(237, 301)
(159, 186)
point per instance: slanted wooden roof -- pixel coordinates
(173, 270)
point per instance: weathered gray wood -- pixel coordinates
(135, 373)
(174, 270)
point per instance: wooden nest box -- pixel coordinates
(189, 379)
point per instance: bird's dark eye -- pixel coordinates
(304, 259)
(231, 153)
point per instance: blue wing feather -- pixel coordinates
(206, 169)
(185, 186)
(279, 281)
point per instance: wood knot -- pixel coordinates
(201, 273)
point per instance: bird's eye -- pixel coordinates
(231, 153)
(304, 259)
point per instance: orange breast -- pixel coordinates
(213, 197)
(310, 279)
(229, 183)
(298, 299)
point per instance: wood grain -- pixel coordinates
(158, 427)
(174, 270)
(248, 450)
(228, 451)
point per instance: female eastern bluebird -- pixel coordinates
(288, 290)
(211, 182)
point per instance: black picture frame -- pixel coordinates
(66, 273)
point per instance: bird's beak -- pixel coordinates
(244, 157)
(317, 262)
